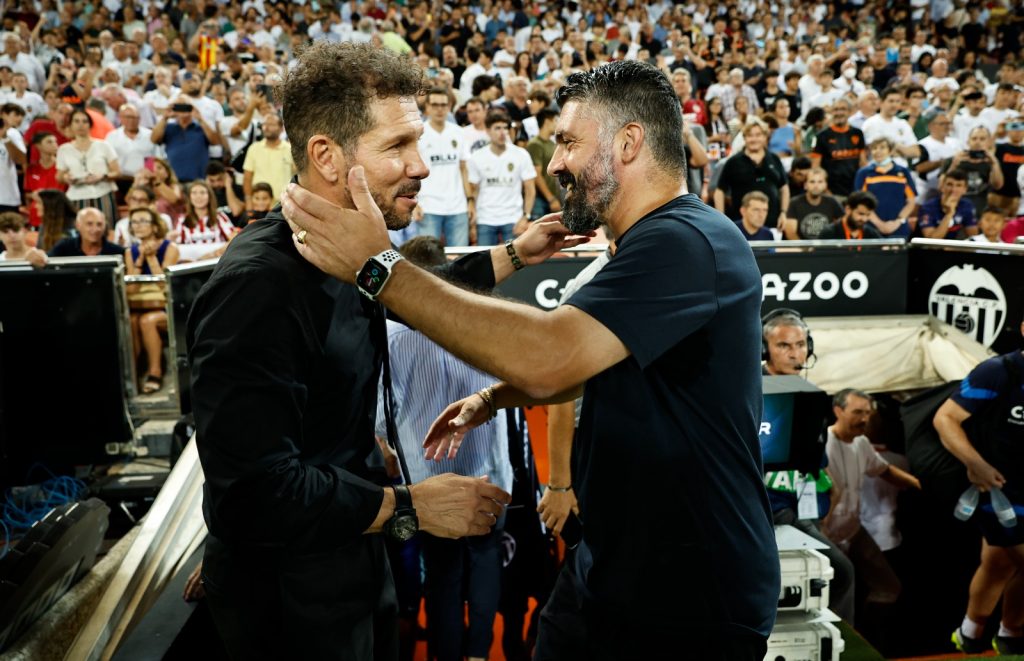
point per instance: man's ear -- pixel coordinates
(630, 142)
(327, 159)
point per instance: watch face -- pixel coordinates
(404, 527)
(371, 277)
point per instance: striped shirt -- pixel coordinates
(425, 379)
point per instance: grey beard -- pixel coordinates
(579, 215)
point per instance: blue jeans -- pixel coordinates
(398, 237)
(492, 235)
(453, 229)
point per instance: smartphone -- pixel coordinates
(182, 107)
(149, 163)
(267, 91)
(976, 154)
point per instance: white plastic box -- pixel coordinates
(813, 641)
(805, 577)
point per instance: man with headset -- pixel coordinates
(787, 345)
(786, 348)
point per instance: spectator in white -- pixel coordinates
(829, 93)
(160, 98)
(330, 28)
(851, 457)
(474, 134)
(89, 168)
(940, 77)
(211, 111)
(990, 227)
(21, 62)
(978, 161)
(13, 236)
(1002, 110)
(12, 154)
(131, 142)
(809, 214)
(135, 71)
(887, 125)
(809, 85)
(721, 82)
(106, 39)
(139, 195)
(202, 232)
(938, 147)
(847, 80)
(867, 107)
(268, 160)
(242, 127)
(481, 64)
(735, 89)
(921, 45)
(970, 116)
(442, 210)
(31, 103)
(502, 185)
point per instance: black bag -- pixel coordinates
(238, 160)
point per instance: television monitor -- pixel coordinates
(792, 424)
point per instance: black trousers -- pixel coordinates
(338, 604)
(572, 630)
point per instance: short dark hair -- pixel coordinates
(957, 174)
(791, 74)
(815, 115)
(483, 82)
(215, 168)
(630, 91)
(890, 90)
(262, 186)
(38, 138)
(541, 95)
(800, 163)
(497, 117)
(544, 115)
(438, 91)
(15, 108)
(862, 198)
(331, 88)
(10, 220)
(424, 251)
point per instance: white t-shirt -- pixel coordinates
(31, 103)
(896, 129)
(473, 139)
(500, 200)
(237, 143)
(442, 192)
(848, 463)
(964, 123)
(993, 117)
(928, 183)
(132, 153)
(10, 195)
(79, 165)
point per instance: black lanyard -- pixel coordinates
(380, 329)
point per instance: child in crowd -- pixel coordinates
(13, 236)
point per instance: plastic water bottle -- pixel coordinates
(1003, 508)
(967, 504)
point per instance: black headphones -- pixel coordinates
(785, 312)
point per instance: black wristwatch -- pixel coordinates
(403, 524)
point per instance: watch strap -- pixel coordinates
(388, 258)
(403, 500)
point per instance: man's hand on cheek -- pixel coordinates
(338, 241)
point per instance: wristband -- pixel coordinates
(511, 250)
(487, 394)
(558, 489)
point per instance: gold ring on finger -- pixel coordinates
(301, 237)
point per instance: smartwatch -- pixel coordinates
(375, 273)
(403, 524)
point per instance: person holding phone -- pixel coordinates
(979, 163)
(89, 167)
(186, 140)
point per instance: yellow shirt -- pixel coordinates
(271, 165)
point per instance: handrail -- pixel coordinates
(189, 267)
(57, 263)
(144, 278)
(967, 246)
(880, 244)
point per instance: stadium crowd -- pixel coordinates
(152, 130)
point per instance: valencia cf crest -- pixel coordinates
(511, 167)
(855, 139)
(455, 143)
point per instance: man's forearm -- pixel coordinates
(497, 336)
(561, 424)
(955, 440)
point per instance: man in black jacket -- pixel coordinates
(285, 364)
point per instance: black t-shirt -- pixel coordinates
(986, 383)
(795, 106)
(667, 465)
(410, 29)
(72, 247)
(978, 173)
(972, 34)
(812, 219)
(1010, 157)
(882, 78)
(840, 151)
(740, 175)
